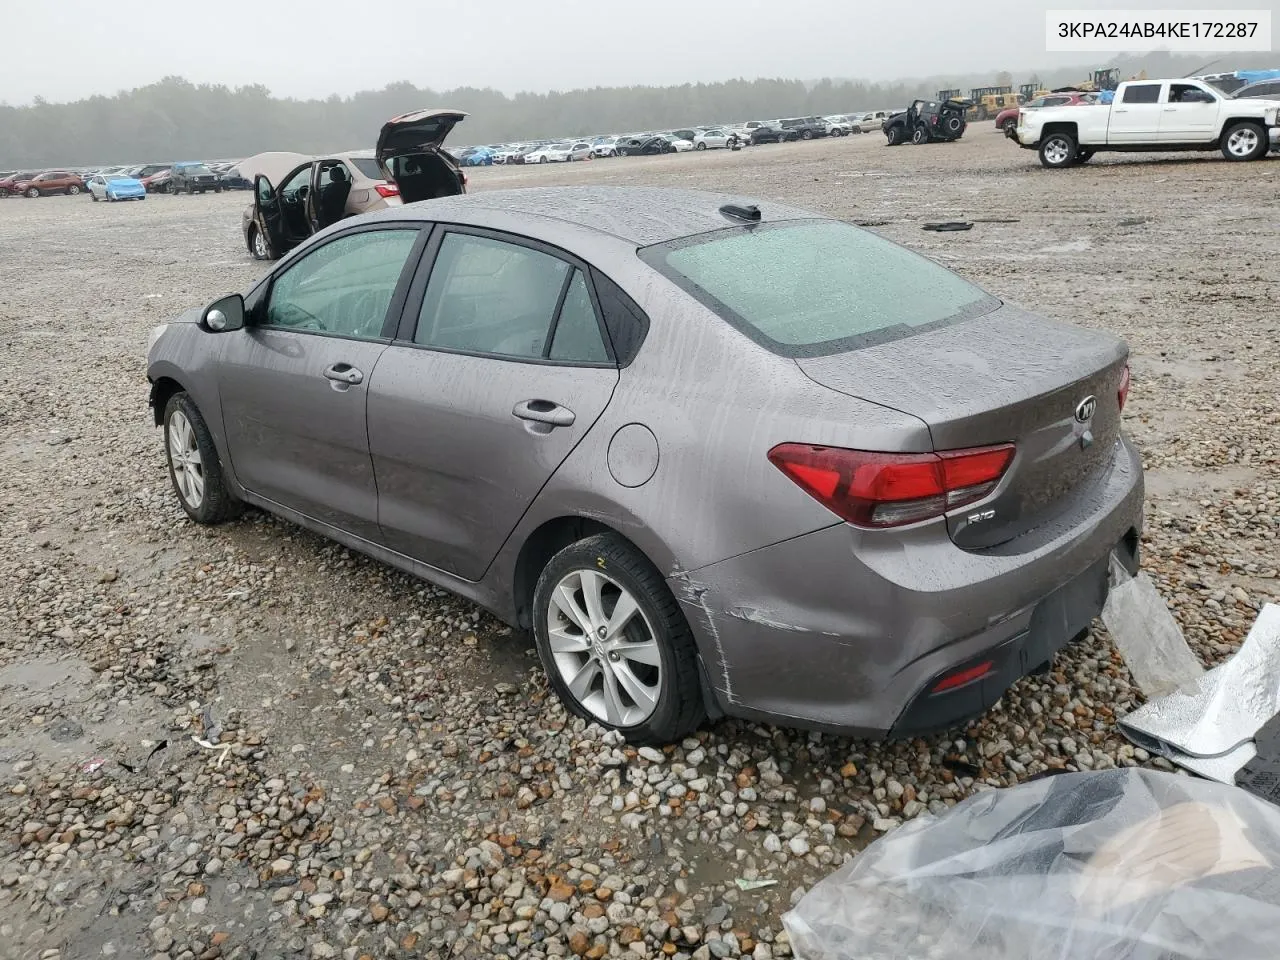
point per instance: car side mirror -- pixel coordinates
(225, 315)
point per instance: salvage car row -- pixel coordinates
(125, 182)
(706, 137)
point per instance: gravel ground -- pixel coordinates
(248, 742)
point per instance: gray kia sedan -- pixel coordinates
(721, 456)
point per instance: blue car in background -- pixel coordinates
(116, 186)
(477, 157)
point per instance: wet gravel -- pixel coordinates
(249, 742)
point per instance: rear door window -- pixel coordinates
(489, 296)
(813, 287)
(1142, 93)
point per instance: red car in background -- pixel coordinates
(1007, 120)
(9, 183)
(49, 182)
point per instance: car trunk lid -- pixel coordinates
(999, 378)
(409, 154)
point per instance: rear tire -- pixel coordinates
(93, 196)
(806, 135)
(194, 468)
(1244, 141)
(72, 190)
(700, 146)
(33, 193)
(613, 570)
(1009, 126)
(1058, 150)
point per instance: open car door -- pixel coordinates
(267, 215)
(410, 155)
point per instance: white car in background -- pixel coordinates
(581, 150)
(508, 153)
(551, 153)
(837, 126)
(679, 144)
(605, 148)
(713, 139)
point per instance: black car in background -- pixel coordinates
(644, 146)
(193, 177)
(769, 133)
(927, 121)
(229, 177)
(805, 128)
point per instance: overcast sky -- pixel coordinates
(312, 48)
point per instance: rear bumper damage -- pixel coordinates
(846, 630)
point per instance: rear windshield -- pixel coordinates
(807, 288)
(367, 166)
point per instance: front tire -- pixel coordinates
(700, 146)
(258, 244)
(1058, 150)
(806, 135)
(1244, 141)
(33, 193)
(194, 468)
(616, 647)
(894, 136)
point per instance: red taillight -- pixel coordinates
(890, 489)
(1122, 392)
(962, 677)
(387, 189)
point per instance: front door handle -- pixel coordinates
(344, 373)
(543, 411)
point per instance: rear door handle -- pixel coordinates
(543, 411)
(344, 373)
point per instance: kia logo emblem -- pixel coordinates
(1085, 408)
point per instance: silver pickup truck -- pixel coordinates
(1152, 115)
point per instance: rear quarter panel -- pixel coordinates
(717, 404)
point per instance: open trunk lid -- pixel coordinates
(1004, 377)
(409, 154)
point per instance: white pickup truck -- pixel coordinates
(1152, 115)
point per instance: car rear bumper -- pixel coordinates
(851, 630)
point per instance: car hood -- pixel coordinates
(273, 165)
(416, 132)
(128, 183)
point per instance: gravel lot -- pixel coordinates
(386, 775)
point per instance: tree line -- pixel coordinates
(174, 119)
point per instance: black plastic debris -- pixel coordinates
(951, 226)
(749, 213)
(1261, 775)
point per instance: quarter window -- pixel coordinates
(492, 297)
(343, 287)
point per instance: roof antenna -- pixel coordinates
(749, 213)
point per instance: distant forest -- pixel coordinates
(174, 119)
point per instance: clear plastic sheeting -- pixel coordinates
(1124, 864)
(1147, 636)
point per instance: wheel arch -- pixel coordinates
(163, 389)
(1061, 126)
(543, 543)
(1230, 122)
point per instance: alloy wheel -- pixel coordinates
(1243, 142)
(184, 456)
(1056, 152)
(259, 245)
(604, 648)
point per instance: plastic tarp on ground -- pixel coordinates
(1113, 864)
